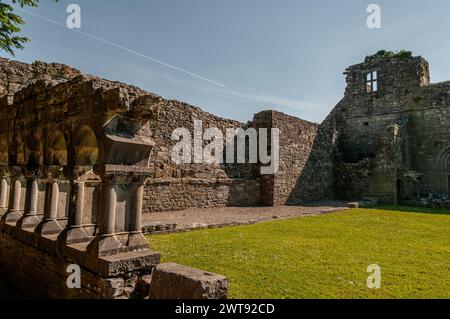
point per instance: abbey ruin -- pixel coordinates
(83, 158)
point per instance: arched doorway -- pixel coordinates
(448, 176)
(441, 167)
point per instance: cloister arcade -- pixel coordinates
(73, 165)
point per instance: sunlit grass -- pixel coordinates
(324, 256)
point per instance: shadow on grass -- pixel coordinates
(418, 210)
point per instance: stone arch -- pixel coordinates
(34, 149)
(16, 150)
(86, 147)
(448, 175)
(441, 167)
(56, 149)
(4, 153)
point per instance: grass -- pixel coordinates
(324, 256)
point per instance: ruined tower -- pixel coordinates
(392, 130)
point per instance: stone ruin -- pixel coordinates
(392, 131)
(83, 158)
(74, 160)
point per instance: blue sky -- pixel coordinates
(287, 55)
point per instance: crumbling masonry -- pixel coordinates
(82, 158)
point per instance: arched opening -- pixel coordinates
(448, 176)
(442, 171)
(34, 150)
(16, 151)
(57, 150)
(86, 150)
(3, 150)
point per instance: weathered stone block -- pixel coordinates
(173, 281)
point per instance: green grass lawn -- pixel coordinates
(324, 256)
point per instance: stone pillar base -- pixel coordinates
(105, 245)
(48, 227)
(119, 276)
(137, 241)
(30, 221)
(12, 216)
(74, 235)
(3, 211)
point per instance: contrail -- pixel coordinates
(121, 47)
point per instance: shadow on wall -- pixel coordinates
(244, 183)
(316, 178)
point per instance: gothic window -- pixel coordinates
(372, 82)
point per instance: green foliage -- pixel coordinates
(10, 25)
(403, 54)
(324, 256)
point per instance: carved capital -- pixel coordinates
(54, 172)
(16, 171)
(34, 172)
(4, 171)
(83, 174)
(121, 174)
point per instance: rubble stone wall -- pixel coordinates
(305, 171)
(42, 272)
(369, 161)
(15, 75)
(179, 194)
(181, 186)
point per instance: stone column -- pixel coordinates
(15, 208)
(136, 207)
(79, 203)
(74, 232)
(17, 195)
(31, 219)
(106, 242)
(4, 191)
(109, 211)
(50, 224)
(136, 239)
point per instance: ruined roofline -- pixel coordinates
(384, 60)
(49, 83)
(382, 57)
(57, 75)
(442, 83)
(36, 65)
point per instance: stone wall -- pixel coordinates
(16, 75)
(305, 161)
(39, 269)
(418, 154)
(181, 186)
(179, 194)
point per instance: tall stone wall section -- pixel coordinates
(180, 186)
(305, 161)
(373, 161)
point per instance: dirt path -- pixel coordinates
(195, 218)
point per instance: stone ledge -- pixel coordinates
(173, 281)
(124, 263)
(114, 265)
(104, 266)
